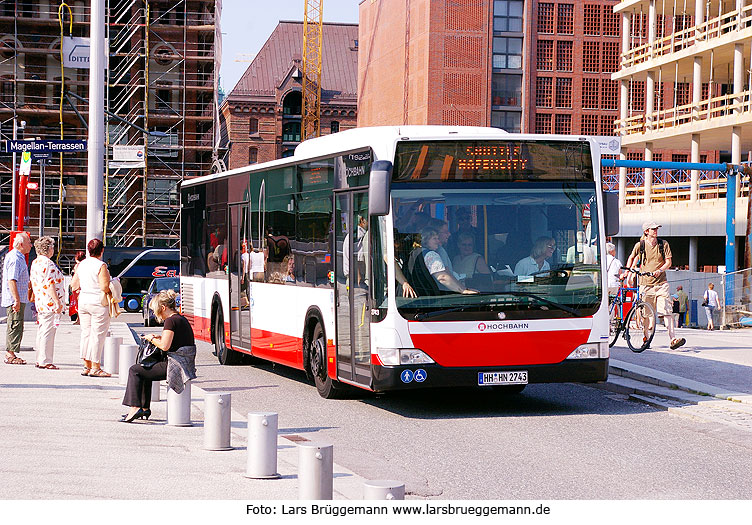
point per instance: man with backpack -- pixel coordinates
(653, 255)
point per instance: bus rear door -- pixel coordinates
(238, 258)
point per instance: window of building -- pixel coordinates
(682, 22)
(660, 26)
(607, 124)
(293, 103)
(545, 56)
(563, 124)
(590, 125)
(507, 120)
(679, 157)
(6, 91)
(564, 55)
(592, 15)
(543, 92)
(611, 57)
(563, 92)
(162, 192)
(639, 25)
(291, 132)
(637, 95)
(609, 94)
(253, 124)
(163, 96)
(591, 62)
(565, 19)
(508, 16)
(543, 123)
(334, 126)
(506, 90)
(252, 155)
(659, 102)
(682, 93)
(590, 93)
(546, 18)
(611, 22)
(507, 52)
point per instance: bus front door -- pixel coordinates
(239, 259)
(352, 287)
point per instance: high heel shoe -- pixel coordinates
(137, 415)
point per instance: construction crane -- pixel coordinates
(312, 34)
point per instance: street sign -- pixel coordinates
(76, 51)
(25, 168)
(45, 146)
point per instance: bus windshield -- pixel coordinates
(511, 242)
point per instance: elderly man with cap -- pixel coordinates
(654, 256)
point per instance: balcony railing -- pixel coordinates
(679, 40)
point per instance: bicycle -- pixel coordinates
(631, 325)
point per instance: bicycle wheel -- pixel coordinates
(640, 326)
(614, 326)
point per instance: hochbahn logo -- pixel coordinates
(482, 327)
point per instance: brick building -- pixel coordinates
(534, 67)
(262, 114)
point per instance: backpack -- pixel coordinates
(661, 249)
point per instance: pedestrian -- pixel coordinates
(655, 258)
(49, 292)
(711, 304)
(73, 295)
(93, 280)
(15, 295)
(613, 268)
(179, 366)
(683, 299)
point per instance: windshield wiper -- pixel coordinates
(540, 299)
(420, 316)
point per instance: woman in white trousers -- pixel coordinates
(47, 286)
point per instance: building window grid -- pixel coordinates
(544, 92)
(590, 93)
(564, 92)
(543, 123)
(637, 95)
(546, 18)
(564, 55)
(682, 94)
(591, 57)
(590, 124)
(609, 94)
(592, 18)
(611, 22)
(607, 124)
(611, 56)
(565, 19)
(508, 16)
(545, 57)
(639, 26)
(563, 124)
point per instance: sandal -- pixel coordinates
(86, 371)
(98, 372)
(48, 366)
(14, 360)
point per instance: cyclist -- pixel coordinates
(654, 257)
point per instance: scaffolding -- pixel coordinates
(160, 79)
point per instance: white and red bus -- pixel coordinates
(499, 238)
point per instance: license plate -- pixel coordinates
(517, 377)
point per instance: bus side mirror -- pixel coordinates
(611, 212)
(378, 188)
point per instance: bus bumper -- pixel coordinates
(427, 376)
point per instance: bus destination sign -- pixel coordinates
(492, 157)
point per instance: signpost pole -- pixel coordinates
(13, 177)
(95, 177)
(41, 197)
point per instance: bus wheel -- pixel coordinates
(317, 357)
(225, 355)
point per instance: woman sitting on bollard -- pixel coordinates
(178, 368)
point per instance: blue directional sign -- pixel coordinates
(45, 146)
(420, 375)
(406, 376)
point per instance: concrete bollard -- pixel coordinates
(156, 394)
(128, 355)
(262, 445)
(217, 421)
(315, 471)
(111, 356)
(384, 489)
(179, 407)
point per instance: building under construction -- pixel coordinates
(162, 64)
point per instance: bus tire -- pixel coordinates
(225, 355)
(317, 358)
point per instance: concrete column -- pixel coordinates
(696, 88)
(648, 186)
(652, 23)
(622, 183)
(738, 76)
(695, 174)
(699, 17)
(649, 100)
(693, 254)
(625, 32)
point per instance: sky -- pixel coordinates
(247, 24)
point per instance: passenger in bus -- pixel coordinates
(258, 265)
(443, 230)
(470, 265)
(543, 248)
(464, 225)
(427, 256)
(403, 286)
(581, 251)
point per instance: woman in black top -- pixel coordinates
(177, 333)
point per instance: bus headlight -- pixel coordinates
(403, 356)
(590, 351)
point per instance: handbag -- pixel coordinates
(705, 300)
(149, 354)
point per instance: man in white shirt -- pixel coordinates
(613, 268)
